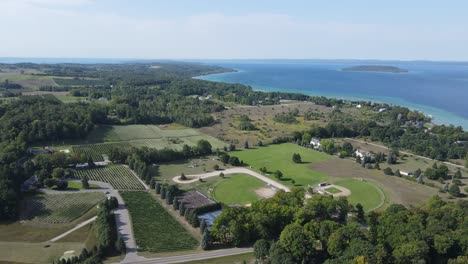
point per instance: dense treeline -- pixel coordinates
(288, 229)
(31, 120)
(38, 118)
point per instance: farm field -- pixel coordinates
(363, 192)
(59, 208)
(237, 189)
(139, 132)
(155, 229)
(95, 151)
(104, 138)
(27, 80)
(119, 176)
(279, 157)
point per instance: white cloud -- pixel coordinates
(49, 28)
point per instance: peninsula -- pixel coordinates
(376, 68)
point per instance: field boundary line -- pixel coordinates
(138, 178)
(384, 197)
(78, 226)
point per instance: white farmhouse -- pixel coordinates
(315, 142)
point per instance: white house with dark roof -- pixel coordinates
(315, 142)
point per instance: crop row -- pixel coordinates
(59, 208)
(155, 229)
(95, 151)
(120, 177)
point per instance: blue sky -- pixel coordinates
(242, 29)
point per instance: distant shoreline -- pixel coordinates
(439, 116)
(375, 68)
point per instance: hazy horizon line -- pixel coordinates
(127, 59)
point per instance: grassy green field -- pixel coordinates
(28, 81)
(59, 208)
(364, 192)
(279, 157)
(22, 252)
(237, 189)
(155, 229)
(70, 98)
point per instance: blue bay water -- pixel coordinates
(439, 89)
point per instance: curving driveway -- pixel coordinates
(233, 171)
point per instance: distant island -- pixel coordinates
(376, 68)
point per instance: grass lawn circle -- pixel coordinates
(237, 189)
(364, 192)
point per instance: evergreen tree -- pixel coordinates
(163, 192)
(205, 243)
(120, 246)
(152, 183)
(84, 182)
(169, 198)
(181, 209)
(202, 226)
(359, 212)
(158, 188)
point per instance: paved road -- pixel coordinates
(404, 152)
(234, 171)
(199, 256)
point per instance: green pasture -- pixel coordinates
(237, 189)
(279, 157)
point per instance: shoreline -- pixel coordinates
(438, 116)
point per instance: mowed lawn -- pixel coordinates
(155, 229)
(279, 157)
(237, 189)
(364, 192)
